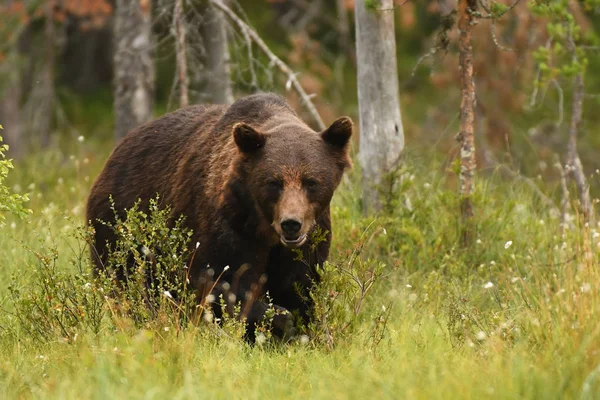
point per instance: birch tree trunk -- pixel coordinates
(181, 53)
(467, 117)
(134, 65)
(381, 132)
(574, 165)
(217, 55)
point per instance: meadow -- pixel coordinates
(413, 312)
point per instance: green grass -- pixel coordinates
(448, 334)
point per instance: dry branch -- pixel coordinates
(247, 31)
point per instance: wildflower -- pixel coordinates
(197, 244)
(492, 262)
(226, 268)
(384, 231)
(383, 308)
(426, 185)
(145, 250)
(60, 181)
(409, 286)
(508, 244)
(480, 336)
(261, 338)
(13, 225)
(586, 287)
(304, 339)
(595, 235)
(488, 285)
(87, 285)
(478, 241)
(80, 139)
(210, 298)
(166, 328)
(208, 316)
(168, 294)
(232, 298)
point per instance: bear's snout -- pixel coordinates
(293, 217)
(291, 228)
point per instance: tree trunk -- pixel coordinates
(45, 107)
(10, 118)
(134, 65)
(217, 55)
(574, 162)
(181, 53)
(345, 40)
(574, 166)
(381, 131)
(467, 117)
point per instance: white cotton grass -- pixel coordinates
(508, 244)
(488, 285)
(168, 294)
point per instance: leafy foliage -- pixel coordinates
(9, 202)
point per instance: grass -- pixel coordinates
(515, 315)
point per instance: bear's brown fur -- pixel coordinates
(253, 182)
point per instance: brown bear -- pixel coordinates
(254, 183)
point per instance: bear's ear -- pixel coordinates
(338, 134)
(247, 139)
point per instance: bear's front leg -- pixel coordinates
(253, 311)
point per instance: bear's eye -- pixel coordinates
(274, 185)
(311, 184)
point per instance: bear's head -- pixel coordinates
(288, 173)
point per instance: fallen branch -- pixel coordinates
(273, 59)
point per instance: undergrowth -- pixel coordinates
(404, 310)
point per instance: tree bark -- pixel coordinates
(10, 118)
(574, 166)
(45, 107)
(381, 131)
(181, 53)
(134, 65)
(217, 55)
(467, 116)
(574, 162)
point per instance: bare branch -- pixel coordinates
(495, 38)
(490, 15)
(274, 60)
(538, 73)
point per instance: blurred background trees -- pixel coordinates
(95, 67)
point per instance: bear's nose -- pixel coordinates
(290, 228)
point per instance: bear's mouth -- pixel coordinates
(293, 243)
